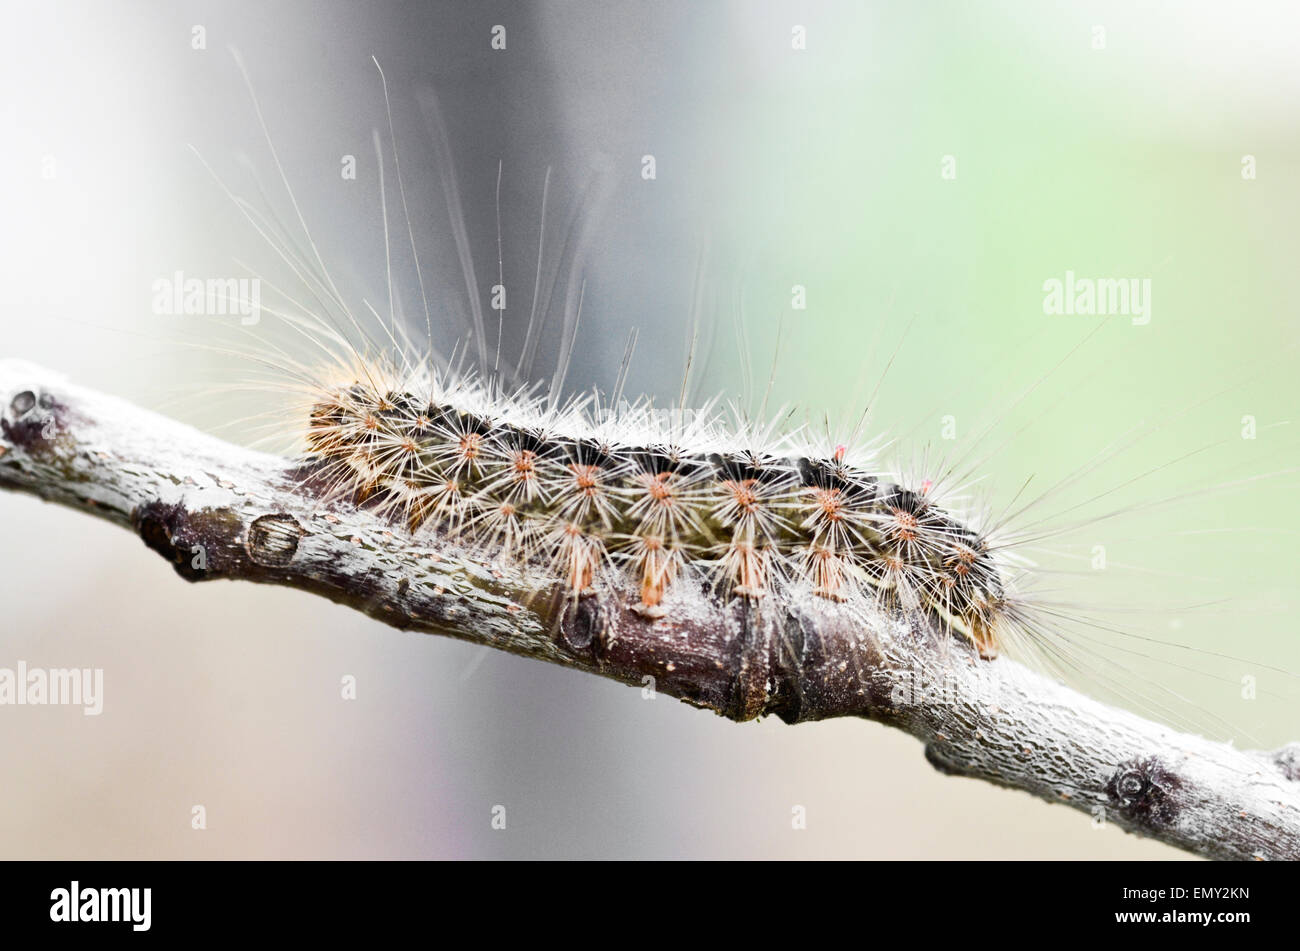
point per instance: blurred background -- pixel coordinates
(858, 195)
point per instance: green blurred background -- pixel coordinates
(820, 167)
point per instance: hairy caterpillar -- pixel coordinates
(748, 509)
(657, 495)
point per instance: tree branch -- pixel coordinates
(215, 510)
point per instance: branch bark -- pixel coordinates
(216, 511)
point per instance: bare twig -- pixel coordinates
(218, 511)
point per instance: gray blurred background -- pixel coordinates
(227, 695)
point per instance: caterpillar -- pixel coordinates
(656, 496)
